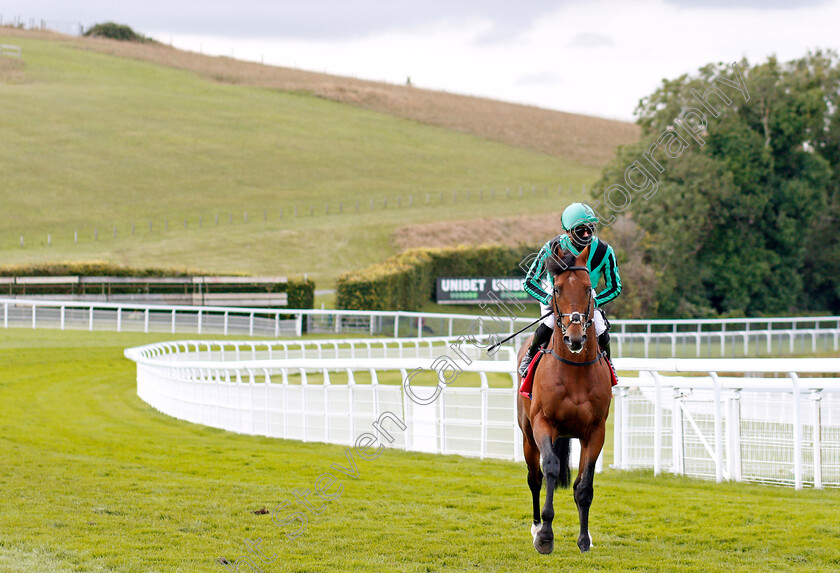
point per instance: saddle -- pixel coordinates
(528, 381)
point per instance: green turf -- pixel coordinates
(92, 141)
(95, 480)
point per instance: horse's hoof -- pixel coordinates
(585, 543)
(544, 546)
(534, 529)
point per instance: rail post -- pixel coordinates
(718, 428)
(816, 398)
(484, 388)
(797, 431)
(657, 425)
(303, 387)
(677, 458)
(733, 435)
(267, 379)
(326, 405)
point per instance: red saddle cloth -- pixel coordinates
(528, 381)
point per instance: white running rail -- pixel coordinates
(650, 339)
(266, 388)
(753, 426)
(9, 50)
(774, 421)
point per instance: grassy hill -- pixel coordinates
(583, 139)
(94, 142)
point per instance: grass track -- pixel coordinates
(95, 480)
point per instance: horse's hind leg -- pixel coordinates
(584, 488)
(535, 477)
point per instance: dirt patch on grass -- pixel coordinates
(12, 71)
(588, 140)
(512, 231)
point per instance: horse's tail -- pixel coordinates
(562, 449)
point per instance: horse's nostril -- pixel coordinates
(583, 340)
(567, 340)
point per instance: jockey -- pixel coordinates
(578, 221)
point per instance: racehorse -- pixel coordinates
(571, 396)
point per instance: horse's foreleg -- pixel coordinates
(584, 489)
(544, 539)
(535, 477)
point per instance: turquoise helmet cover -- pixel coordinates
(576, 214)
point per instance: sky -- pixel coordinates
(596, 57)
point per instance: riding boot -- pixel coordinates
(541, 336)
(604, 343)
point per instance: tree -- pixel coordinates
(115, 31)
(735, 179)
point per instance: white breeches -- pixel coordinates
(597, 318)
(549, 320)
(600, 325)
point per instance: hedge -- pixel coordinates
(407, 281)
(301, 292)
(115, 31)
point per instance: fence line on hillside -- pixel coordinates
(650, 339)
(753, 427)
(40, 24)
(156, 226)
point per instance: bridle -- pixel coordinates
(575, 317)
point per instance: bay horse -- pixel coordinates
(570, 398)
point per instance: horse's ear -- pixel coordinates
(583, 257)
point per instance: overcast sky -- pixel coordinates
(597, 57)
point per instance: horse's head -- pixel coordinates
(572, 298)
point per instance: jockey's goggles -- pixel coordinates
(584, 233)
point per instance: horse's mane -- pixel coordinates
(559, 263)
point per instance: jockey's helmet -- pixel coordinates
(578, 214)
